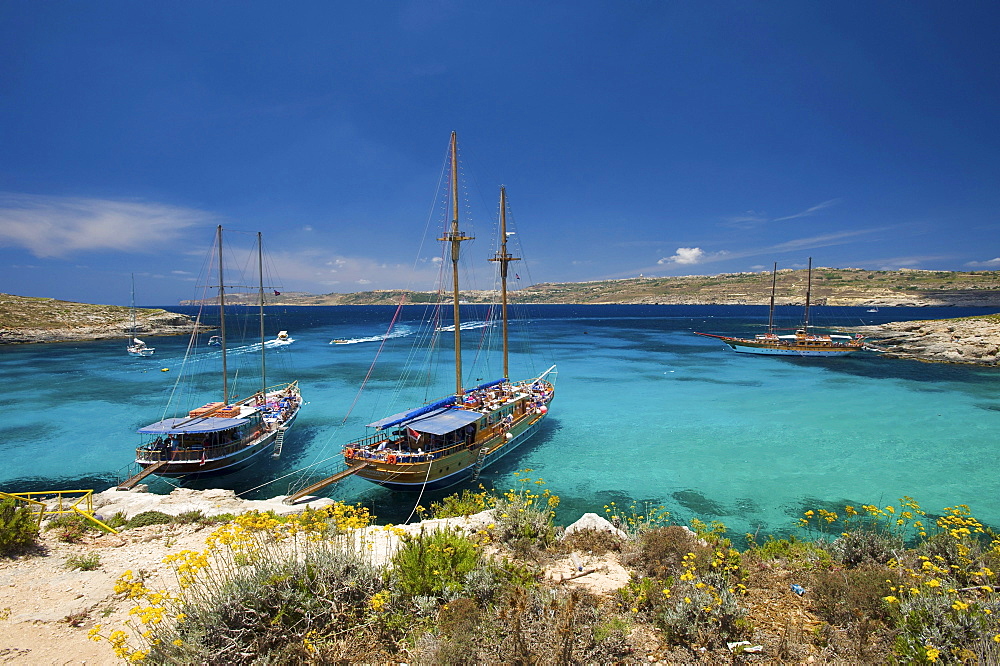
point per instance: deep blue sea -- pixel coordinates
(645, 412)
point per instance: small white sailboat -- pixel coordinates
(136, 347)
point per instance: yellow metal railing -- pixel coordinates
(64, 503)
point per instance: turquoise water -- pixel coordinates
(645, 412)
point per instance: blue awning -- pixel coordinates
(445, 421)
(411, 414)
(187, 425)
(436, 422)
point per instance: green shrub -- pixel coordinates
(841, 597)
(18, 526)
(261, 613)
(703, 613)
(866, 547)
(461, 504)
(70, 527)
(148, 518)
(592, 541)
(188, 517)
(435, 563)
(960, 632)
(523, 519)
(115, 521)
(793, 553)
(662, 549)
(87, 562)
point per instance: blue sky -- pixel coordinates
(634, 137)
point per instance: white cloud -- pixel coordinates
(809, 211)
(989, 263)
(58, 226)
(689, 256)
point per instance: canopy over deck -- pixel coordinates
(436, 422)
(187, 425)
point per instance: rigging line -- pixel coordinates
(371, 368)
(423, 486)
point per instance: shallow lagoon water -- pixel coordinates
(646, 412)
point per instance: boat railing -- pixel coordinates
(194, 453)
(365, 447)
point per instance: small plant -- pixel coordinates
(524, 518)
(148, 518)
(188, 517)
(461, 504)
(635, 520)
(661, 550)
(792, 552)
(117, 520)
(435, 564)
(87, 562)
(77, 619)
(18, 527)
(70, 528)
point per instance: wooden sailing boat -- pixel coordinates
(136, 347)
(225, 436)
(455, 438)
(802, 343)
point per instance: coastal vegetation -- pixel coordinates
(27, 319)
(830, 286)
(856, 584)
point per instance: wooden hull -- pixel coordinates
(748, 347)
(445, 471)
(782, 347)
(436, 469)
(257, 437)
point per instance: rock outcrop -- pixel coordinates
(24, 319)
(972, 340)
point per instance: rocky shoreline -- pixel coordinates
(974, 341)
(162, 323)
(25, 320)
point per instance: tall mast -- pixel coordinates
(770, 314)
(131, 332)
(455, 237)
(504, 259)
(222, 319)
(260, 274)
(809, 284)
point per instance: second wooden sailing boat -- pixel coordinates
(802, 343)
(225, 436)
(454, 438)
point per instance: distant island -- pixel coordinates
(25, 319)
(830, 286)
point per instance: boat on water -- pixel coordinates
(454, 438)
(136, 347)
(223, 436)
(801, 343)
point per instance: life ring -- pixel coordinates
(391, 459)
(348, 453)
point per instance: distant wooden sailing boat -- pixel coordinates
(136, 347)
(456, 437)
(802, 343)
(225, 436)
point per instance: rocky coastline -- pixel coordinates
(974, 340)
(25, 320)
